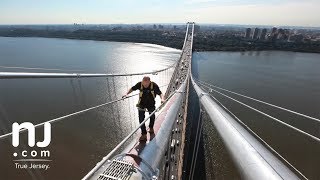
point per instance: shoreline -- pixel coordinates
(94, 40)
(263, 50)
(176, 42)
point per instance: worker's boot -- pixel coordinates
(143, 137)
(151, 130)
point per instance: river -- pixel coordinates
(79, 142)
(288, 79)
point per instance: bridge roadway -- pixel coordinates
(172, 167)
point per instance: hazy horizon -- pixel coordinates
(228, 12)
(156, 23)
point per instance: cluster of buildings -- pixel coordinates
(274, 34)
(256, 34)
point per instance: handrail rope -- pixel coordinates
(267, 115)
(125, 139)
(260, 101)
(4, 75)
(38, 68)
(258, 137)
(73, 114)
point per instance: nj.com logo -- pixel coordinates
(16, 130)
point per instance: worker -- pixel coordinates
(147, 95)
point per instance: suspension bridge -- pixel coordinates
(162, 156)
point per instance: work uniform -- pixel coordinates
(146, 101)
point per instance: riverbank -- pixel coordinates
(173, 39)
(227, 43)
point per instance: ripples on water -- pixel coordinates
(79, 142)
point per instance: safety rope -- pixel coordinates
(260, 101)
(39, 68)
(74, 114)
(6, 75)
(265, 114)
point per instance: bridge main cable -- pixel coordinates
(15, 75)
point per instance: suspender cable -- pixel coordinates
(197, 143)
(117, 105)
(129, 103)
(267, 115)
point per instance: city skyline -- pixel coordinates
(248, 12)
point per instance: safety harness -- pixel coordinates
(141, 93)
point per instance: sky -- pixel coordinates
(250, 12)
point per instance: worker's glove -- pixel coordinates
(162, 101)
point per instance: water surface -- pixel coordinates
(79, 142)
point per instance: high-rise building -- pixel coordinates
(274, 34)
(273, 30)
(280, 33)
(248, 33)
(255, 33)
(263, 34)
